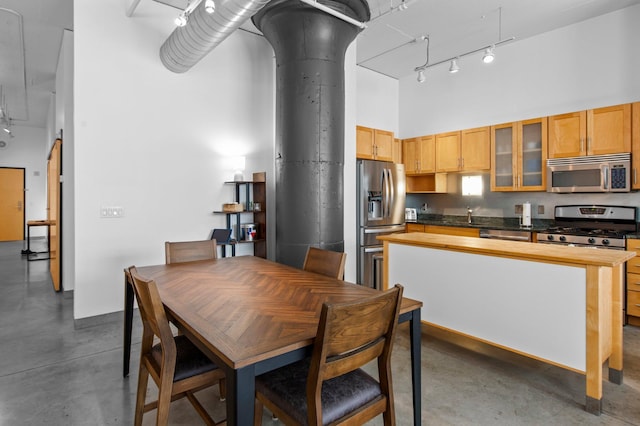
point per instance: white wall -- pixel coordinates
(154, 142)
(378, 102)
(28, 150)
(590, 64)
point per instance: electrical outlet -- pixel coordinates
(518, 209)
(111, 211)
(540, 209)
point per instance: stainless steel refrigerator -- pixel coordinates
(381, 190)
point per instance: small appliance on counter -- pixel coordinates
(410, 214)
(526, 215)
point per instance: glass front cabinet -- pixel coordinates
(519, 153)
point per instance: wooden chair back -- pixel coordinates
(349, 336)
(325, 262)
(154, 318)
(189, 251)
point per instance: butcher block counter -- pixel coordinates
(557, 304)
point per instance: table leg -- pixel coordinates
(415, 334)
(241, 389)
(615, 360)
(128, 324)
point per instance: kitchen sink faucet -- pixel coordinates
(469, 211)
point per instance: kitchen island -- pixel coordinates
(557, 304)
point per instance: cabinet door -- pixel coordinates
(452, 230)
(635, 144)
(427, 154)
(475, 148)
(532, 155)
(397, 151)
(409, 155)
(609, 130)
(448, 152)
(364, 142)
(504, 157)
(414, 227)
(567, 135)
(383, 145)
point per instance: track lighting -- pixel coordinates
(7, 130)
(489, 56)
(181, 20)
(454, 66)
(421, 76)
(209, 6)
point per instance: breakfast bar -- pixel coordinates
(557, 304)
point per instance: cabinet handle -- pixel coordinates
(635, 176)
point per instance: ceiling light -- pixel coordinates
(454, 66)
(209, 6)
(7, 130)
(181, 20)
(421, 76)
(488, 55)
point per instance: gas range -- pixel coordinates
(595, 226)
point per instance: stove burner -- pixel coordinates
(604, 233)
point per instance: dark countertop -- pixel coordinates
(483, 222)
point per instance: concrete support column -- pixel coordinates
(310, 48)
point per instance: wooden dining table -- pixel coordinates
(252, 315)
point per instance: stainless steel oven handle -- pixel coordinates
(373, 250)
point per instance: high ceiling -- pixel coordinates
(391, 44)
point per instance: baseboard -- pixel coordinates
(98, 320)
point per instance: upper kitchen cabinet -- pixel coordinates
(397, 151)
(467, 150)
(635, 145)
(519, 152)
(419, 155)
(448, 152)
(593, 132)
(374, 144)
(475, 147)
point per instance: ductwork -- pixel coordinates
(187, 45)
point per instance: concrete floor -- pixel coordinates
(56, 374)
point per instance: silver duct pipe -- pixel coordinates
(187, 45)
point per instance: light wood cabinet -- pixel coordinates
(440, 229)
(414, 227)
(448, 152)
(475, 148)
(374, 144)
(633, 283)
(397, 151)
(419, 155)
(519, 153)
(635, 145)
(596, 131)
(466, 150)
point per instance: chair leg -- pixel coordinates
(257, 413)
(200, 409)
(222, 385)
(143, 379)
(164, 403)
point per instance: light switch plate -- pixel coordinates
(111, 212)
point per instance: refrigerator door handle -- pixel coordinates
(392, 191)
(386, 202)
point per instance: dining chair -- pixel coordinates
(189, 251)
(325, 262)
(330, 387)
(176, 365)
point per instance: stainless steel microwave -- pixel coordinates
(593, 173)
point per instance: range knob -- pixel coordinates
(550, 237)
(605, 242)
(592, 240)
(563, 238)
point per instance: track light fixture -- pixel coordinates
(489, 56)
(183, 18)
(454, 68)
(421, 68)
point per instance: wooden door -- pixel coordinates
(54, 169)
(504, 157)
(448, 152)
(609, 130)
(364, 143)
(532, 155)
(11, 204)
(383, 145)
(567, 135)
(427, 154)
(635, 145)
(475, 149)
(409, 155)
